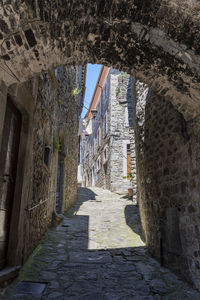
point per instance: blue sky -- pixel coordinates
(91, 80)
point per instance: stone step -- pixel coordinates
(9, 273)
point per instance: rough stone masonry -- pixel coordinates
(49, 127)
(168, 172)
(155, 41)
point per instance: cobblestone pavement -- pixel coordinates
(97, 254)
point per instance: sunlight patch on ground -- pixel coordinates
(108, 221)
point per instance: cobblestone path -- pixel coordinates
(97, 254)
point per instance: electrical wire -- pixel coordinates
(8, 73)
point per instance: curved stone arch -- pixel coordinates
(155, 41)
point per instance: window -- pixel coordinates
(98, 164)
(47, 155)
(126, 116)
(105, 154)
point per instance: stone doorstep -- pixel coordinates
(9, 273)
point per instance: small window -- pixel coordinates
(98, 164)
(47, 155)
(105, 155)
(126, 116)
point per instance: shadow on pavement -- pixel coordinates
(84, 194)
(74, 272)
(125, 197)
(133, 220)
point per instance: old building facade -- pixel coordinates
(108, 146)
(38, 166)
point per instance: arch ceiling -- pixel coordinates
(158, 41)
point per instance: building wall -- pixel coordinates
(50, 106)
(116, 102)
(103, 174)
(70, 83)
(91, 152)
(121, 130)
(168, 160)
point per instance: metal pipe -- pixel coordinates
(29, 209)
(35, 206)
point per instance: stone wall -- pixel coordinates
(121, 122)
(122, 132)
(50, 105)
(157, 42)
(91, 150)
(168, 162)
(42, 178)
(116, 102)
(103, 175)
(70, 101)
(71, 159)
(55, 125)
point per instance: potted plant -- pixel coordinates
(130, 190)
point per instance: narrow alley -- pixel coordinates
(100, 94)
(97, 253)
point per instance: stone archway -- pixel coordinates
(156, 41)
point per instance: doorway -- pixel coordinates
(8, 169)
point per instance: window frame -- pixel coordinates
(105, 159)
(98, 164)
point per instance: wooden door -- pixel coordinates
(128, 160)
(8, 168)
(128, 164)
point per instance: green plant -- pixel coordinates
(60, 101)
(56, 144)
(117, 90)
(124, 74)
(130, 177)
(124, 177)
(75, 92)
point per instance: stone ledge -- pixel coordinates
(9, 273)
